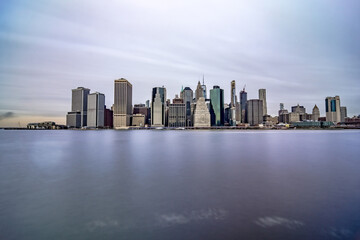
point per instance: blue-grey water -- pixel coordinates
(179, 184)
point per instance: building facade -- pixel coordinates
(96, 110)
(243, 100)
(158, 107)
(217, 106)
(332, 108)
(315, 113)
(255, 112)
(199, 92)
(143, 109)
(262, 96)
(122, 103)
(188, 95)
(177, 113)
(343, 114)
(201, 114)
(78, 116)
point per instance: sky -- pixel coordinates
(300, 51)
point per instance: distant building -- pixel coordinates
(158, 107)
(122, 103)
(281, 106)
(201, 114)
(95, 112)
(138, 120)
(108, 118)
(177, 113)
(203, 86)
(45, 125)
(315, 113)
(243, 100)
(78, 116)
(255, 112)
(299, 110)
(217, 106)
(143, 109)
(199, 91)
(148, 103)
(332, 108)
(262, 96)
(188, 95)
(343, 114)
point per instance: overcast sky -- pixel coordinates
(301, 51)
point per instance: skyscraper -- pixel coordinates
(262, 96)
(199, 91)
(332, 108)
(122, 103)
(203, 86)
(201, 114)
(188, 95)
(217, 106)
(343, 114)
(158, 107)
(232, 94)
(177, 113)
(96, 110)
(255, 111)
(315, 113)
(78, 116)
(243, 100)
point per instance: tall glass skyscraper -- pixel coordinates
(217, 106)
(187, 95)
(243, 100)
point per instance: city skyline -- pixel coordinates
(311, 55)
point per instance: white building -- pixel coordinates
(96, 108)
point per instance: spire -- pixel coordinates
(203, 79)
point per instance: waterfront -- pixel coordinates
(180, 184)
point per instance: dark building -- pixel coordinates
(217, 106)
(108, 118)
(144, 110)
(243, 100)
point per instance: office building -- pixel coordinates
(188, 95)
(108, 118)
(203, 86)
(96, 110)
(138, 120)
(199, 92)
(158, 107)
(243, 100)
(315, 113)
(217, 106)
(177, 113)
(332, 108)
(122, 107)
(201, 114)
(78, 116)
(262, 96)
(255, 112)
(300, 110)
(144, 110)
(343, 114)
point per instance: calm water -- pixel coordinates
(179, 184)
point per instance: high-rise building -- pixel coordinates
(298, 109)
(158, 107)
(188, 95)
(199, 91)
(343, 114)
(332, 108)
(177, 113)
(148, 103)
(78, 116)
(281, 106)
(243, 100)
(315, 113)
(255, 111)
(122, 107)
(201, 114)
(108, 118)
(203, 86)
(262, 96)
(217, 106)
(96, 110)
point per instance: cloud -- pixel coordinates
(6, 115)
(170, 219)
(275, 221)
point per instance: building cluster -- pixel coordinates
(190, 109)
